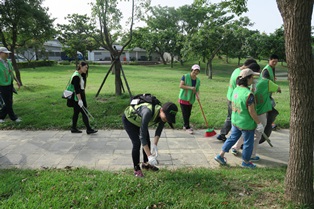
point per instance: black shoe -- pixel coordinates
(148, 166)
(221, 137)
(91, 131)
(75, 130)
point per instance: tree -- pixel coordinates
(297, 16)
(108, 17)
(211, 33)
(74, 36)
(236, 33)
(20, 22)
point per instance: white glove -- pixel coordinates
(155, 150)
(260, 128)
(152, 160)
(80, 103)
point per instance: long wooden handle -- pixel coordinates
(198, 99)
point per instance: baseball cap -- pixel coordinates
(170, 110)
(195, 67)
(247, 72)
(4, 50)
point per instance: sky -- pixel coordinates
(263, 13)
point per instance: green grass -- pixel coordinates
(182, 188)
(40, 106)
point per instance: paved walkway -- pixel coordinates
(111, 150)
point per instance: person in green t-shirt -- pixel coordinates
(189, 88)
(6, 86)
(232, 85)
(244, 119)
(269, 72)
(263, 89)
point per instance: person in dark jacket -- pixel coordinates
(136, 120)
(78, 100)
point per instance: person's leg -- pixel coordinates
(85, 120)
(271, 117)
(248, 137)
(263, 119)
(237, 146)
(186, 113)
(7, 95)
(232, 139)
(227, 126)
(134, 134)
(76, 111)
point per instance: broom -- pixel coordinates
(209, 132)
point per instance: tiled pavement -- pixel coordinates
(111, 149)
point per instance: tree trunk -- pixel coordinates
(210, 68)
(162, 58)
(172, 58)
(239, 60)
(118, 81)
(16, 70)
(297, 25)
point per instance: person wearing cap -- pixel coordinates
(6, 85)
(232, 85)
(263, 88)
(136, 120)
(189, 88)
(244, 119)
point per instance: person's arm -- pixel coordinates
(158, 131)
(146, 115)
(183, 86)
(251, 109)
(77, 87)
(272, 87)
(265, 74)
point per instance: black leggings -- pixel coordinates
(134, 133)
(7, 95)
(186, 113)
(76, 111)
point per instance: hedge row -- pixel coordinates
(34, 64)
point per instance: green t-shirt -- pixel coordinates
(6, 73)
(233, 82)
(241, 117)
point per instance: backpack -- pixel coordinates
(145, 98)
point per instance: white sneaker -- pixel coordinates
(2, 121)
(18, 120)
(190, 130)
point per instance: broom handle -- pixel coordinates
(199, 102)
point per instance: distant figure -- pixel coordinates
(189, 87)
(6, 86)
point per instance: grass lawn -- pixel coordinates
(40, 106)
(182, 188)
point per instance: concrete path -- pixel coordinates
(111, 150)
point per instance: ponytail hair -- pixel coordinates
(243, 81)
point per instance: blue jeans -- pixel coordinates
(248, 137)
